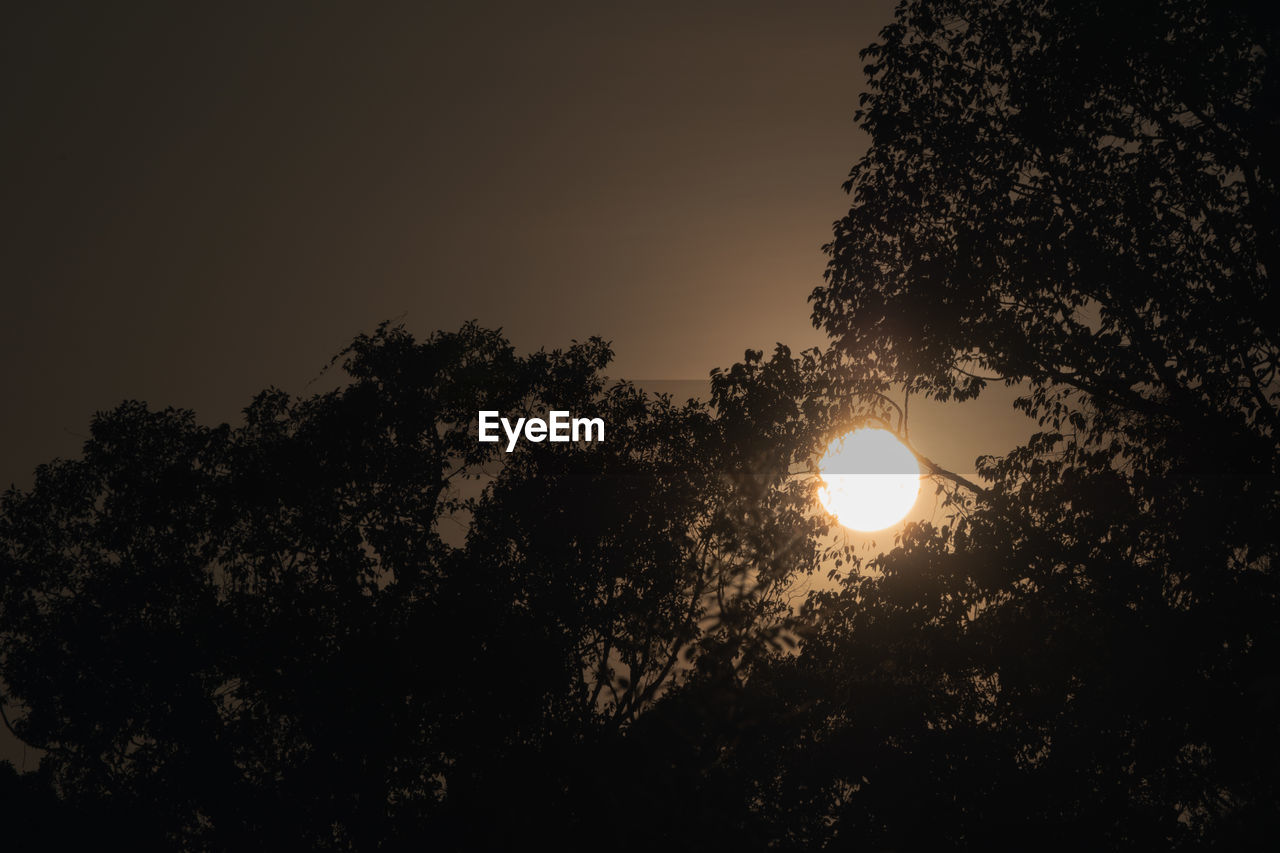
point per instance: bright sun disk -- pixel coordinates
(870, 480)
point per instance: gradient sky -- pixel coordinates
(206, 199)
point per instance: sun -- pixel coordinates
(870, 480)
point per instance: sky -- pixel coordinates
(204, 200)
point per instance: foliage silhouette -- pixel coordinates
(348, 624)
(1079, 199)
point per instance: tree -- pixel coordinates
(346, 623)
(1078, 199)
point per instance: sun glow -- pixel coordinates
(870, 480)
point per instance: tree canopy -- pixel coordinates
(347, 623)
(344, 623)
(1077, 199)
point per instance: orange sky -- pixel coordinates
(204, 202)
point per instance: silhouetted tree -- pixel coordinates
(349, 624)
(346, 624)
(1079, 199)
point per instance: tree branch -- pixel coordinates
(937, 470)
